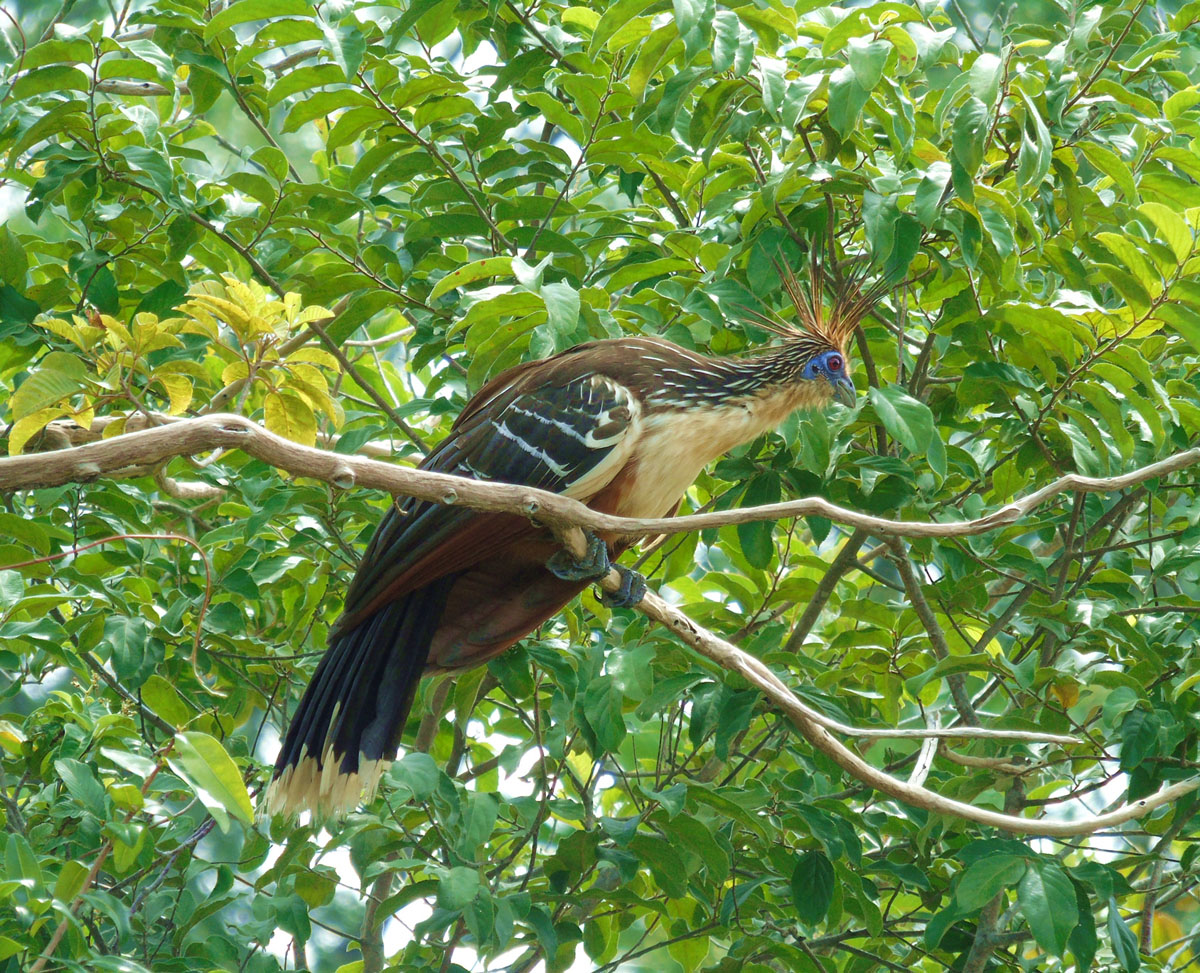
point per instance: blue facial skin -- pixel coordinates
(831, 366)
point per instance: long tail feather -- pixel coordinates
(349, 723)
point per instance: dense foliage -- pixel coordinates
(467, 185)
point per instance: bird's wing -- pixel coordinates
(565, 429)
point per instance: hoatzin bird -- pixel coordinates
(623, 425)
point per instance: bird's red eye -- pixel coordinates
(835, 363)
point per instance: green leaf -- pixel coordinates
(615, 17)
(13, 261)
(15, 308)
(867, 59)
(927, 204)
(12, 587)
(1184, 319)
(970, 132)
(245, 11)
(755, 538)
(477, 823)
(812, 886)
(1046, 899)
(666, 865)
(129, 637)
(347, 44)
(203, 764)
(1036, 155)
(20, 860)
(418, 773)
(59, 376)
(1180, 102)
(727, 39)
(55, 77)
(987, 878)
(163, 699)
(81, 784)
(602, 701)
(415, 10)
(1170, 226)
(1130, 258)
(880, 214)
(154, 165)
(984, 76)
(1139, 738)
(74, 50)
(906, 419)
(1083, 942)
(999, 229)
(469, 273)
(846, 99)
(457, 887)
(693, 20)
(291, 914)
(562, 310)
(322, 103)
(1113, 166)
(1124, 942)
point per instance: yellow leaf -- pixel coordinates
(11, 737)
(243, 324)
(317, 356)
(118, 335)
(64, 330)
(201, 322)
(179, 389)
(290, 416)
(25, 429)
(234, 371)
(308, 381)
(1066, 691)
(159, 341)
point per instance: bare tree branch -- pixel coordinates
(566, 518)
(189, 436)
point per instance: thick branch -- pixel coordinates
(190, 436)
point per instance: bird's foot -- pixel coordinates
(592, 566)
(633, 589)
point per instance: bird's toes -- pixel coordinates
(633, 589)
(591, 567)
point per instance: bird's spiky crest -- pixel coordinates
(852, 301)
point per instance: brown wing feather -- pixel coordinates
(473, 538)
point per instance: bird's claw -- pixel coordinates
(633, 589)
(592, 566)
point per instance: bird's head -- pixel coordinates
(830, 366)
(817, 336)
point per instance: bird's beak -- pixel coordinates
(844, 389)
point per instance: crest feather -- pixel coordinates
(853, 300)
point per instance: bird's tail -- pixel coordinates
(349, 723)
